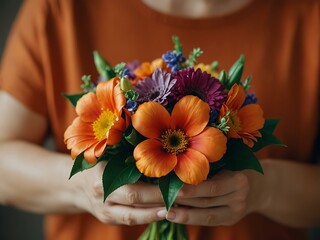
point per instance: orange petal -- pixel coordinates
(233, 133)
(89, 154)
(88, 107)
(105, 94)
(78, 128)
(211, 142)
(190, 114)
(152, 160)
(236, 97)
(99, 148)
(151, 119)
(192, 167)
(145, 70)
(251, 118)
(81, 146)
(71, 142)
(114, 136)
(115, 133)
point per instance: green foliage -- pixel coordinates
(239, 157)
(87, 86)
(223, 77)
(235, 72)
(134, 138)
(119, 172)
(118, 69)
(246, 84)
(125, 84)
(131, 94)
(196, 52)
(73, 98)
(177, 44)
(223, 123)
(165, 230)
(115, 150)
(216, 167)
(80, 164)
(169, 186)
(214, 65)
(267, 135)
(103, 67)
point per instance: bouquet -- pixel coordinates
(169, 122)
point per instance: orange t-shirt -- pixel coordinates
(51, 47)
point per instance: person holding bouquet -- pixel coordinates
(51, 47)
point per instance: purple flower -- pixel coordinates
(157, 88)
(200, 84)
(174, 60)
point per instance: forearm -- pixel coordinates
(35, 179)
(291, 193)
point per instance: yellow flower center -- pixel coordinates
(103, 124)
(174, 141)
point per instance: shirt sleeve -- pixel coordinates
(21, 69)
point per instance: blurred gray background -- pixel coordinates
(16, 224)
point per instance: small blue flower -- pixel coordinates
(174, 60)
(131, 105)
(250, 99)
(213, 115)
(125, 72)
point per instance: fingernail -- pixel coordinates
(171, 215)
(162, 213)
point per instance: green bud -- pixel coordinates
(223, 77)
(125, 84)
(214, 65)
(131, 94)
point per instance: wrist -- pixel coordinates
(264, 187)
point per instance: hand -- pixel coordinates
(223, 200)
(134, 204)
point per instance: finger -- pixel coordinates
(204, 217)
(137, 194)
(221, 184)
(207, 202)
(134, 216)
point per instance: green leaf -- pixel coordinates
(117, 173)
(73, 98)
(267, 136)
(102, 66)
(134, 138)
(270, 125)
(235, 72)
(169, 187)
(239, 157)
(80, 164)
(216, 167)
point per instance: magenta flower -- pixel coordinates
(200, 84)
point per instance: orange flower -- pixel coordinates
(244, 122)
(99, 121)
(146, 69)
(181, 142)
